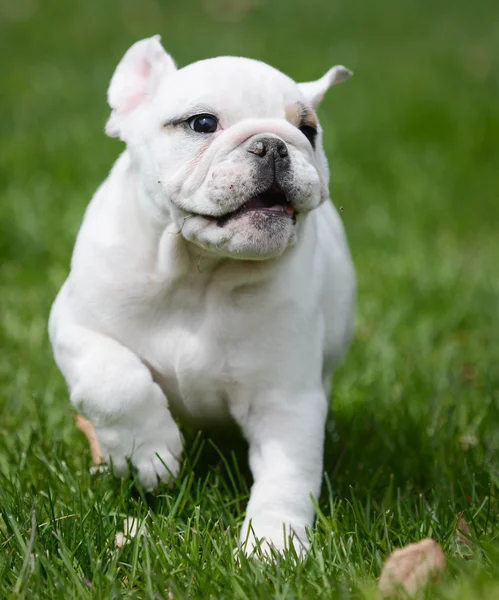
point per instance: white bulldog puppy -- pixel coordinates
(211, 281)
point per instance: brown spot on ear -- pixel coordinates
(299, 115)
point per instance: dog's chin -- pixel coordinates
(248, 235)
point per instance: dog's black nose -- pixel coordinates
(263, 146)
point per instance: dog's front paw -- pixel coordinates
(154, 451)
(263, 536)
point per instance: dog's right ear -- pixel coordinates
(136, 79)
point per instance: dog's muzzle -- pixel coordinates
(272, 162)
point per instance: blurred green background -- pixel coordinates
(412, 142)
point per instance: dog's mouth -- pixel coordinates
(272, 202)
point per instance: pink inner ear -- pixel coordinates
(145, 69)
(139, 85)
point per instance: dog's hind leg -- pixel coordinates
(286, 437)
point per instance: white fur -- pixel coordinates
(314, 91)
(167, 313)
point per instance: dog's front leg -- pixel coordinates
(286, 437)
(113, 388)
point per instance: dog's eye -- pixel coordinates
(203, 123)
(310, 133)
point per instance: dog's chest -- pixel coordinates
(195, 343)
(192, 368)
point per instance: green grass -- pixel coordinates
(413, 437)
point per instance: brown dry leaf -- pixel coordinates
(409, 569)
(463, 532)
(86, 427)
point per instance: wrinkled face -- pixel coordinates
(231, 151)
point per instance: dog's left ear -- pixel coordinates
(314, 90)
(136, 79)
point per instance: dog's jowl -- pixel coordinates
(211, 281)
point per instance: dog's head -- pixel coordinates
(229, 148)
